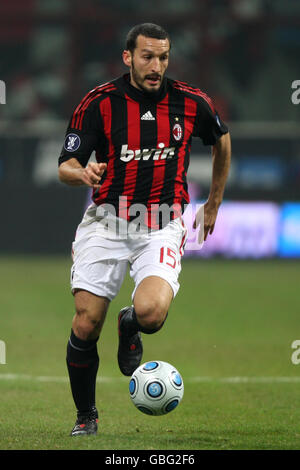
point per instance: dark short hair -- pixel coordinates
(149, 30)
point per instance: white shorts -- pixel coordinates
(101, 259)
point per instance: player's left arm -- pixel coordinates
(221, 154)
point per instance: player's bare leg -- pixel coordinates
(90, 314)
(151, 302)
(83, 359)
(147, 315)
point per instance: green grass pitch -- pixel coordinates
(229, 332)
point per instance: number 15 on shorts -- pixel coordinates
(168, 257)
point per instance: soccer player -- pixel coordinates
(140, 126)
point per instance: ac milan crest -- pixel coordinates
(177, 132)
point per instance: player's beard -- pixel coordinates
(139, 80)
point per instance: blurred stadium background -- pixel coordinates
(243, 53)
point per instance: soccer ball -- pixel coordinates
(156, 388)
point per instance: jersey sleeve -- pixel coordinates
(84, 133)
(208, 124)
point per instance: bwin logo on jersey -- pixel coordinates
(72, 142)
(146, 154)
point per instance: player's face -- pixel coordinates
(148, 63)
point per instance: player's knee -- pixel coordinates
(86, 324)
(150, 314)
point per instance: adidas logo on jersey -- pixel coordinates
(148, 116)
(145, 154)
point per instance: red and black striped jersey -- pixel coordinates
(145, 139)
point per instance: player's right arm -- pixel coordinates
(71, 172)
(84, 135)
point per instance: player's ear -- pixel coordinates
(127, 58)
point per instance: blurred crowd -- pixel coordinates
(244, 53)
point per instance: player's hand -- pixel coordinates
(91, 175)
(206, 217)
